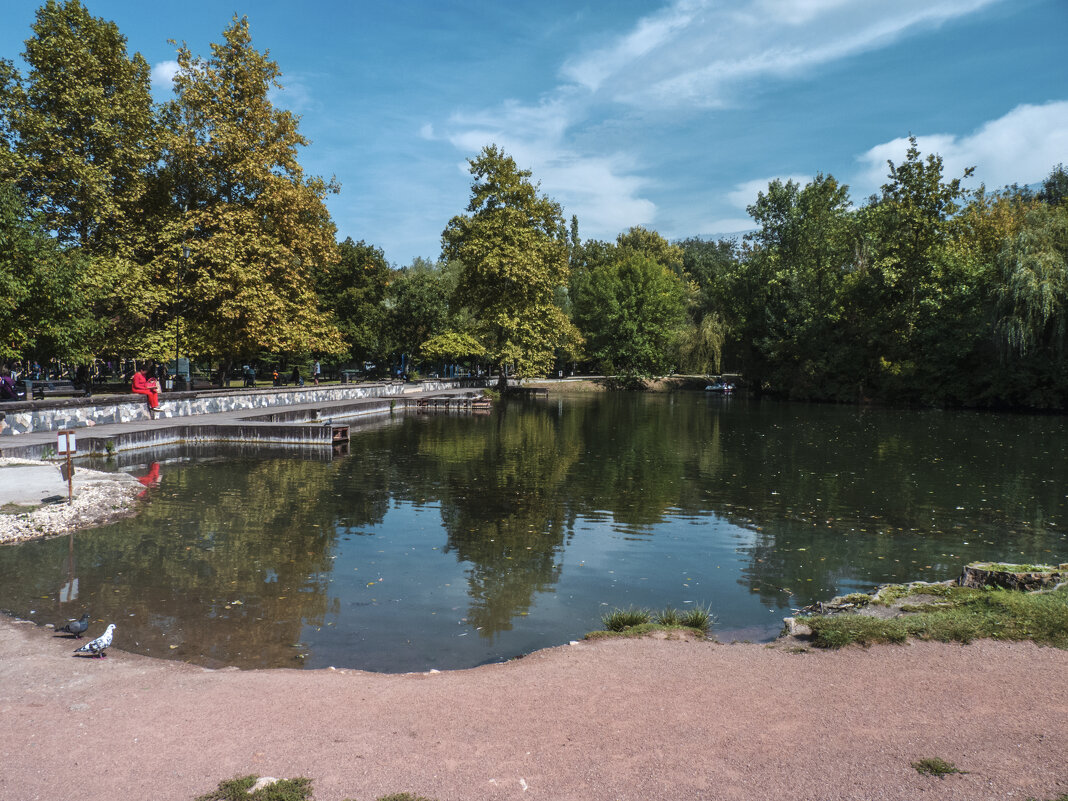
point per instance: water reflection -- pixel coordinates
(447, 541)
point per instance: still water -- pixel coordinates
(447, 541)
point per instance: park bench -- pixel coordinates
(48, 388)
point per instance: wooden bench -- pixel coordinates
(48, 388)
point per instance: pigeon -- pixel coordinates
(75, 627)
(99, 645)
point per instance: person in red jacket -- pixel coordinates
(143, 384)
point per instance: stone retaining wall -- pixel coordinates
(58, 414)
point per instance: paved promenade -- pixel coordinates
(280, 422)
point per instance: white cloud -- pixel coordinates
(690, 54)
(295, 95)
(1020, 147)
(426, 131)
(701, 53)
(727, 226)
(162, 75)
(600, 188)
(745, 194)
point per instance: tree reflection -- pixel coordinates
(503, 487)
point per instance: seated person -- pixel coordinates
(144, 384)
(7, 385)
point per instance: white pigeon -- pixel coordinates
(99, 645)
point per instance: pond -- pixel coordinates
(447, 541)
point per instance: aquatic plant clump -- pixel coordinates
(632, 619)
(620, 619)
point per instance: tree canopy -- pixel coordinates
(513, 254)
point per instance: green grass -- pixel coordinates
(635, 622)
(895, 592)
(697, 617)
(282, 790)
(857, 599)
(970, 614)
(933, 766)
(667, 617)
(1009, 568)
(620, 619)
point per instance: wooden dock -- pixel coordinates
(448, 403)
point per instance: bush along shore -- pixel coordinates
(990, 600)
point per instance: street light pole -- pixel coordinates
(177, 308)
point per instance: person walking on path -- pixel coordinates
(315, 372)
(145, 385)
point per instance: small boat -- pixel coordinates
(723, 387)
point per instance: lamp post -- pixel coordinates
(177, 307)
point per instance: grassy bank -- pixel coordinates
(945, 613)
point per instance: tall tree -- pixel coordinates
(353, 290)
(911, 275)
(418, 309)
(43, 309)
(254, 224)
(82, 125)
(513, 250)
(631, 310)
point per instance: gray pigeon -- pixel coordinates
(75, 627)
(99, 645)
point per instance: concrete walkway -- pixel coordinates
(298, 424)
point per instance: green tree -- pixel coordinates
(1055, 187)
(512, 248)
(255, 225)
(418, 308)
(786, 311)
(82, 127)
(353, 289)
(1034, 287)
(631, 311)
(43, 309)
(908, 241)
(714, 311)
(649, 243)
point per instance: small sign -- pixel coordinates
(67, 442)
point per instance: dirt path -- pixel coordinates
(607, 720)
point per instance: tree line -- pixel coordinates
(134, 228)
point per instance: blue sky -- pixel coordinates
(668, 115)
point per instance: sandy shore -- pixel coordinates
(24, 486)
(615, 719)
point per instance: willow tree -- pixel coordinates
(513, 250)
(237, 200)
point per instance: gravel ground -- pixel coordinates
(611, 719)
(99, 498)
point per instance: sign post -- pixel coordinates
(67, 443)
